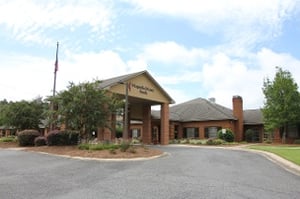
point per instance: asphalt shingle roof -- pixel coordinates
(253, 116)
(198, 109)
(116, 80)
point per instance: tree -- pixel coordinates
(84, 107)
(23, 114)
(3, 107)
(282, 102)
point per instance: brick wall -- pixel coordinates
(237, 108)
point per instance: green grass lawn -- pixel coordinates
(291, 153)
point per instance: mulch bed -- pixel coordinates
(137, 152)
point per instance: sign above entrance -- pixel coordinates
(143, 89)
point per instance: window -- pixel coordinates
(212, 131)
(135, 133)
(191, 132)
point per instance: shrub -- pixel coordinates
(112, 151)
(214, 141)
(40, 141)
(52, 138)
(26, 137)
(195, 142)
(84, 146)
(8, 139)
(249, 135)
(73, 137)
(135, 141)
(119, 132)
(228, 136)
(174, 141)
(184, 141)
(268, 141)
(62, 138)
(297, 142)
(131, 150)
(95, 147)
(124, 146)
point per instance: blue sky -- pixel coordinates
(193, 48)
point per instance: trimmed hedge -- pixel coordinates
(26, 137)
(40, 141)
(62, 138)
(228, 136)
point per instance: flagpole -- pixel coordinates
(55, 70)
(52, 125)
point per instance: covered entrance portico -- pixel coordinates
(141, 92)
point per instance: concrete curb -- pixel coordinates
(106, 159)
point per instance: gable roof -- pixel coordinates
(253, 116)
(124, 78)
(198, 109)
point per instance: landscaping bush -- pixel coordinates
(112, 151)
(124, 146)
(73, 137)
(95, 147)
(131, 150)
(214, 141)
(40, 141)
(249, 135)
(84, 146)
(195, 141)
(174, 141)
(297, 142)
(228, 136)
(53, 138)
(62, 138)
(26, 137)
(184, 141)
(8, 139)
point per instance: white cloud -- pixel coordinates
(240, 22)
(88, 66)
(136, 65)
(218, 71)
(26, 77)
(187, 76)
(28, 21)
(170, 52)
(269, 59)
(226, 76)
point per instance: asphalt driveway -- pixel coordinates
(184, 173)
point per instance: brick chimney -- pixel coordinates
(237, 103)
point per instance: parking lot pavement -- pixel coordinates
(184, 173)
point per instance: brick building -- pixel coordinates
(198, 118)
(142, 92)
(201, 119)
